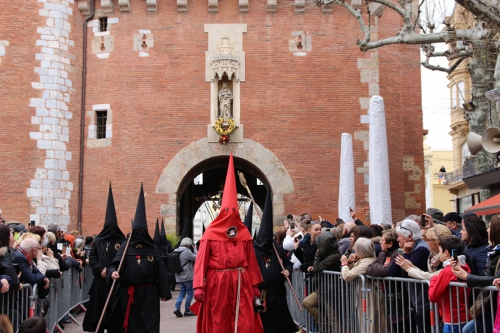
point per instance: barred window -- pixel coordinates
(101, 118)
(103, 23)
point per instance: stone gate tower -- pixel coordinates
(131, 91)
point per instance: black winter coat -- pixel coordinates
(306, 255)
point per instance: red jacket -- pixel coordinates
(439, 292)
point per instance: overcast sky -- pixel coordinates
(435, 93)
(436, 109)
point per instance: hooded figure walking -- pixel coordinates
(226, 273)
(276, 318)
(102, 252)
(141, 283)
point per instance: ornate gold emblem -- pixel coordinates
(117, 246)
(151, 258)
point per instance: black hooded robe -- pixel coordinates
(144, 275)
(277, 318)
(101, 255)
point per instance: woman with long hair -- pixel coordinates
(475, 236)
(490, 273)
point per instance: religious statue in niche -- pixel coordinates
(225, 125)
(225, 99)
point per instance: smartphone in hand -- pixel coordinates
(454, 254)
(423, 220)
(401, 252)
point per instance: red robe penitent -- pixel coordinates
(226, 264)
(218, 262)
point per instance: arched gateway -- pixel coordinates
(253, 159)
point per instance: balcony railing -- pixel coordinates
(448, 178)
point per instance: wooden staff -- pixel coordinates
(114, 282)
(243, 182)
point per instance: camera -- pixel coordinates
(32, 223)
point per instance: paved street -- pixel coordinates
(168, 320)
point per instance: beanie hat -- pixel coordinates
(452, 217)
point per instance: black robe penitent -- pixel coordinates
(101, 255)
(143, 270)
(277, 318)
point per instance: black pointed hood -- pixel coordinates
(156, 237)
(163, 234)
(248, 218)
(140, 233)
(263, 243)
(110, 232)
(202, 228)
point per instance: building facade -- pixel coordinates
(131, 92)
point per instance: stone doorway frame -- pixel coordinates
(201, 150)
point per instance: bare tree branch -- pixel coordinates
(484, 10)
(448, 70)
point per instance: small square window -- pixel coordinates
(101, 118)
(103, 23)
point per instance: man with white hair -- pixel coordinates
(26, 252)
(417, 252)
(185, 278)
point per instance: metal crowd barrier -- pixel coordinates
(71, 290)
(378, 305)
(66, 293)
(18, 305)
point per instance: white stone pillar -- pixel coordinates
(347, 193)
(379, 181)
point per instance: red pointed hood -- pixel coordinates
(227, 226)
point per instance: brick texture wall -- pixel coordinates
(296, 106)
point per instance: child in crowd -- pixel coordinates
(452, 309)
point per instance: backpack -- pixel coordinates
(175, 261)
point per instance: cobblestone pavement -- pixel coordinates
(169, 322)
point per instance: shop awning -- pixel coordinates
(487, 207)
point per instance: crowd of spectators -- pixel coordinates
(440, 248)
(31, 255)
(435, 247)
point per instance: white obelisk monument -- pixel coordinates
(379, 181)
(347, 193)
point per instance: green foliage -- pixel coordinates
(173, 239)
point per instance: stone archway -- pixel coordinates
(199, 151)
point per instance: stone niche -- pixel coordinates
(225, 70)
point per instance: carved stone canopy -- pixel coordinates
(225, 60)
